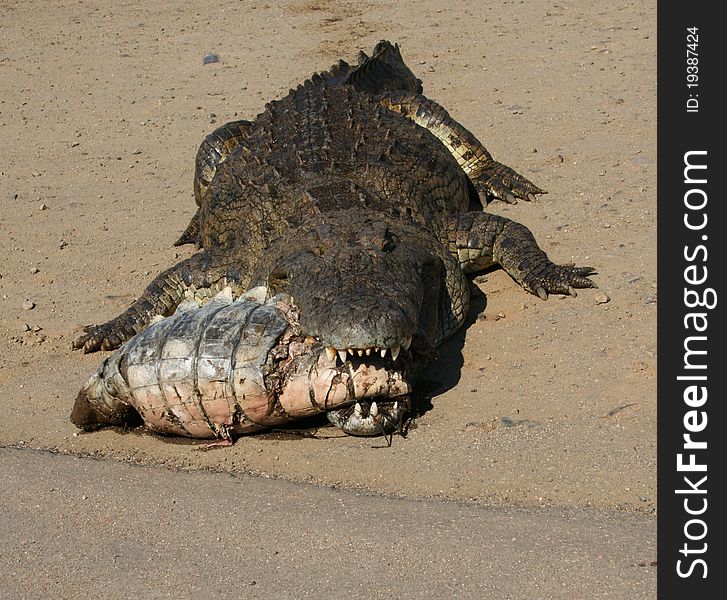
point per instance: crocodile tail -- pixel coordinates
(214, 150)
(383, 71)
(191, 235)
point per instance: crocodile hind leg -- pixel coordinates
(484, 239)
(489, 177)
(200, 276)
(213, 151)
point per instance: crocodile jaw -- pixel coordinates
(364, 419)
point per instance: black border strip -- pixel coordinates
(680, 131)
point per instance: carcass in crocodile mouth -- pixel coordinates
(235, 367)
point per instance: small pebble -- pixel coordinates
(62, 244)
(26, 327)
(602, 298)
(43, 207)
(210, 58)
(34, 270)
(28, 305)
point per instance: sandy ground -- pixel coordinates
(535, 404)
(121, 531)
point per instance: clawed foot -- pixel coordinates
(99, 337)
(561, 279)
(500, 181)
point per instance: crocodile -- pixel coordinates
(364, 201)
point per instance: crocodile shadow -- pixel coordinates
(444, 372)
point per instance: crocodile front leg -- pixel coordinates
(490, 178)
(484, 239)
(202, 275)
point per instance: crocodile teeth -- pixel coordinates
(342, 355)
(331, 352)
(368, 351)
(357, 410)
(351, 351)
(359, 352)
(383, 352)
(374, 410)
(396, 406)
(406, 343)
(395, 352)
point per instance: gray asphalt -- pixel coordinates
(77, 528)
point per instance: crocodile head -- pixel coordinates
(362, 287)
